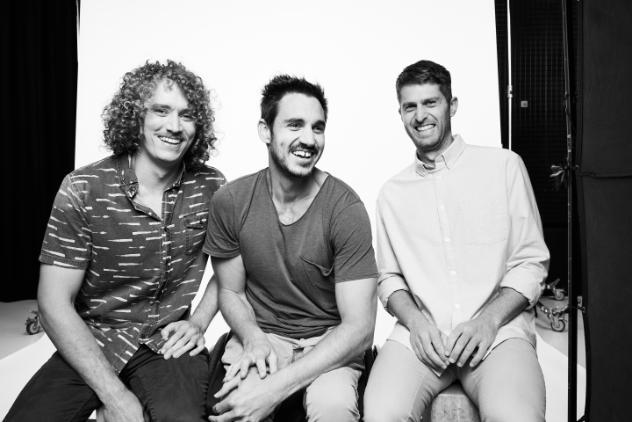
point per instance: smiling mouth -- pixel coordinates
(170, 141)
(303, 154)
(425, 128)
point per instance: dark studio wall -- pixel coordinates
(38, 86)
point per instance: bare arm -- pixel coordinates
(189, 335)
(357, 305)
(240, 317)
(473, 338)
(57, 290)
(426, 339)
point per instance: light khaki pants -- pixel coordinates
(507, 386)
(331, 397)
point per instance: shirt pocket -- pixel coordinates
(484, 225)
(319, 275)
(195, 225)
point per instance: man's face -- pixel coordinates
(426, 115)
(169, 126)
(297, 138)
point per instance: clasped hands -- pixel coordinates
(469, 340)
(256, 399)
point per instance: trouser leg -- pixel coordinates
(169, 389)
(400, 386)
(508, 385)
(333, 396)
(55, 393)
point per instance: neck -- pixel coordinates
(429, 157)
(286, 189)
(152, 176)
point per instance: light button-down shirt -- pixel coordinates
(455, 233)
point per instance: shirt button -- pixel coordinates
(452, 272)
(447, 239)
(457, 306)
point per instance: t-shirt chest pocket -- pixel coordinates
(319, 275)
(195, 231)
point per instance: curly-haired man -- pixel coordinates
(122, 259)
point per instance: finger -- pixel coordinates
(227, 387)
(467, 352)
(188, 340)
(458, 347)
(272, 362)
(261, 368)
(232, 371)
(432, 354)
(243, 367)
(225, 417)
(172, 326)
(480, 354)
(182, 350)
(452, 339)
(437, 343)
(200, 345)
(173, 339)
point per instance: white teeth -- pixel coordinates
(168, 140)
(302, 154)
(425, 127)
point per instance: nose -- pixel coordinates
(420, 113)
(308, 137)
(173, 123)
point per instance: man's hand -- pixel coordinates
(252, 401)
(183, 336)
(124, 408)
(428, 343)
(257, 352)
(477, 335)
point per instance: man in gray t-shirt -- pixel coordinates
(291, 247)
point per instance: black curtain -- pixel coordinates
(604, 184)
(39, 87)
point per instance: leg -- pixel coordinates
(333, 396)
(55, 393)
(508, 385)
(170, 390)
(400, 386)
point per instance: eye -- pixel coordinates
(187, 116)
(319, 129)
(160, 111)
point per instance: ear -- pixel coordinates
(454, 105)
(265, 134)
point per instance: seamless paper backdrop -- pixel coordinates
(355, 50)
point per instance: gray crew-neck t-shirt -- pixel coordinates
(292, 269)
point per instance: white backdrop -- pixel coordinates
(355, 50)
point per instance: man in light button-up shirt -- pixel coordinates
(462, 262)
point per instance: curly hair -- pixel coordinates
(124, 116)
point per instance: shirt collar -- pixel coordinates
(129, 181)
(446, 160)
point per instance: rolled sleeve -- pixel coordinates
(528, 261)
(390, 275)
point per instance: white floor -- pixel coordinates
(22, 354)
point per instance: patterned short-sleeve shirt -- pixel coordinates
(141, 269)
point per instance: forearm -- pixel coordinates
(208, 306)
(77, 345)
(504, 307)
(239, 315)
(404, 308)
(339, 347)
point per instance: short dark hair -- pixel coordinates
(424, 72)
(124, 116)
(281, 85)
